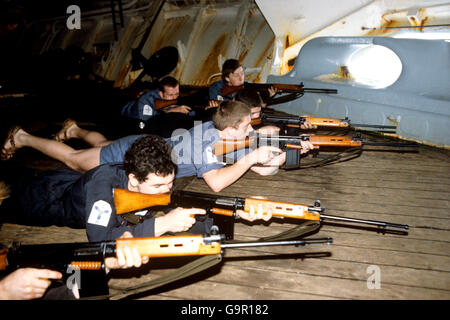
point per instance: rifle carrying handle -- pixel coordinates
(225, 146)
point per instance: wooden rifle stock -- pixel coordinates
(256, 122)
(225, 146)
(161, 103)
(128, 201)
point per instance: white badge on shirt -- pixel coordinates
(148, 111)
(210, 156)
(141, 213)
(100, 213)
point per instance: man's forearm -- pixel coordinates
(222, 178)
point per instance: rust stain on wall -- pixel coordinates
(209, 65)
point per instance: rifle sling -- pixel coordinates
(299, 231)
(343, 156)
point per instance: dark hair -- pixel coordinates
(168, 82)
(250, 97)
(230, 114)
(149, 154)
(230, 66)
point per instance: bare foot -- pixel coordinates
(66, 132)
(10, 145)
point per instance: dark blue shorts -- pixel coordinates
(115, 152)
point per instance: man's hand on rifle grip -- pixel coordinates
(273, 91)
(212, 104)
(306, 146)
(177, 220)
(264, 154)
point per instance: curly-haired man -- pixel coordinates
(65, 197)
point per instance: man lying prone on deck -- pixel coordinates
(193, 149)
(65, 197)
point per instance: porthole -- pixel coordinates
(374, 66)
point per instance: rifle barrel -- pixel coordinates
(371, 126)
(370, 222)
(389, 144)
(317, 90)
(279, 243)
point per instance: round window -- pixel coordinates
(374, 66)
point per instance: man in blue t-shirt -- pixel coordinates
(233, 74)
(193, 149)
(144, 107)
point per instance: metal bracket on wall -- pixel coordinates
(113, 13)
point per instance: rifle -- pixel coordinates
(292, 144)
(88, 257)
(285, 88)
(297, 121)
(91, 255)
(185, 100)
(128, 201)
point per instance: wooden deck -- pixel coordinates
(409, 188)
